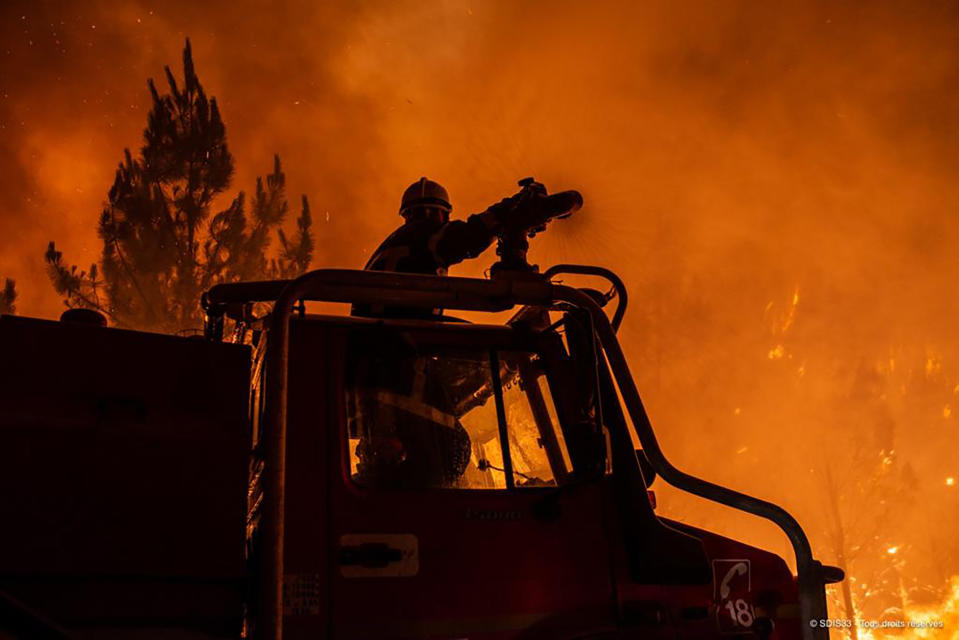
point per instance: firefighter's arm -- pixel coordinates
(528, 210)
(458, 240)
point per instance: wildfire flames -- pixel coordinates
(940, 620)
(776, 185)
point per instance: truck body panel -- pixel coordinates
(123, 477)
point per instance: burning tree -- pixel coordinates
(868, 404)
(162, 244)
(8, 297)
(865, 497)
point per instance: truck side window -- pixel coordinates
(407, 412)
(537, 448)
(427, 419)
(257, 390)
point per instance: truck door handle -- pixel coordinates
(369, 555)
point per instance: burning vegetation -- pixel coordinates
(778, 186)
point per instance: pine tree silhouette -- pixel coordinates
(162, 245)
(8, 297)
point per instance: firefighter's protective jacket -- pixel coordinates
(428, 246)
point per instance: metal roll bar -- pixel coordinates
(812, 595)
(499, 294)
(589, 270)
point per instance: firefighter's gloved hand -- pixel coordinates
(497, 215)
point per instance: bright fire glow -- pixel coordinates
(728, 157)
(944, 614)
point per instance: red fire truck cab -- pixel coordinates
(409, 476)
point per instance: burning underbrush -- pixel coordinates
(852, 433)
(939, 619)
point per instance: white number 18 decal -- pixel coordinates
(740, 612)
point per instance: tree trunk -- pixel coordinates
(840, 541)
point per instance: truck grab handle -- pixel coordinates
(812, 596)
(622, 297)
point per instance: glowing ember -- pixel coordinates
(892, 550)
(950, 481)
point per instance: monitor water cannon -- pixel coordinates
(532, 210)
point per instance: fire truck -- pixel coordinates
(326, 476)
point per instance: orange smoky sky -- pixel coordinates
(777, 182)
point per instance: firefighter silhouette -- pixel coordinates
(402, 411)
(428, 242)
(409, 435)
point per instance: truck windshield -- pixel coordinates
(423, 418)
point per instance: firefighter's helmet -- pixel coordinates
(424, 193)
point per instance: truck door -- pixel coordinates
(438, 530)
